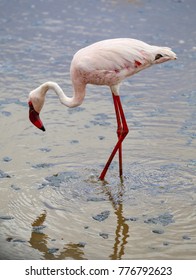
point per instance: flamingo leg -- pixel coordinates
(119, 131)
(122, 131)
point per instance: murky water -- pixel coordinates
(52, 204)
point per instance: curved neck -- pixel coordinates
(76, 100)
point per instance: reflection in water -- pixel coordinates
(121, 234)
(39, 241)
(122, 229)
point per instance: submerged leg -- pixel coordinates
(122, 131)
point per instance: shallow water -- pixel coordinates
(52, 204)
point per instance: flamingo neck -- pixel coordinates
(73, 101)
(37, 96)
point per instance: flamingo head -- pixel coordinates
(36, 102)
(164, 54)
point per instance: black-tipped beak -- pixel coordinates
(34, 117)
(43, 128)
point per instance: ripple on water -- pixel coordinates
(151, 179)
(76, 206)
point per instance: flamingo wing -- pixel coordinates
(108, 62)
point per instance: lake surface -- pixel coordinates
(52, 205)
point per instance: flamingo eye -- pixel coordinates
(158, 56)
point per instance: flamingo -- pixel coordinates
(106, 62)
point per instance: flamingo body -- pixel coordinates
(106, 62)
(109, 62)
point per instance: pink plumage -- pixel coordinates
(109, 62)
(106, 62)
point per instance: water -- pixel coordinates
(52, 204)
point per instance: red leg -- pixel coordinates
(119, 131)
(122, 131)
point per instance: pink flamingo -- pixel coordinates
(106, 62)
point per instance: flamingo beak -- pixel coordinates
(34, 117)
